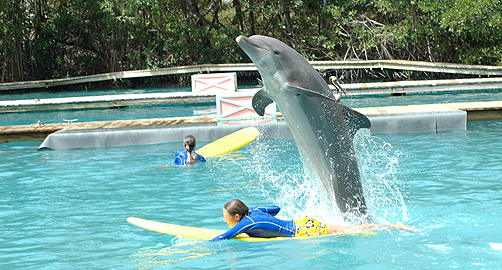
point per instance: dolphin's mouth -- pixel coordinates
(242, 40)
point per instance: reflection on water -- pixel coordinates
(165, 255)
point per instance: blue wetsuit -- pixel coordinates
(261, 223)
(182, 156)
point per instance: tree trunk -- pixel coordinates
(238, 13)
(4, 66)
(287, 17)
(252, 30)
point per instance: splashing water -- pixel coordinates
(287, 184)
(379, 168)
(292, 188)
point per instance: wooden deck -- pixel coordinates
(119, 101)
(475, 110)
(35, 132)
(209, 68)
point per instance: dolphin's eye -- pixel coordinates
(277, 52)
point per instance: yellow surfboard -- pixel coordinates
(172, 229)
(229, 143)
(208, 234)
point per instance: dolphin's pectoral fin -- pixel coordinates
(307, 92)
(355, 120)
(260, 83)
(260, 101)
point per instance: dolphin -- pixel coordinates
(322, 128)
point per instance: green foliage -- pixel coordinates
(56, 39)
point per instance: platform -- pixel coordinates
(411, 118)
(110, 137)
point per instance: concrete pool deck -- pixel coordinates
(278, 129)
(390, 119)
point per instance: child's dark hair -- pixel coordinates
(237, 207)
(190, 144)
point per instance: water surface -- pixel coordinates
(67, 208)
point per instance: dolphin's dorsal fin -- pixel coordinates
(307, 92)
(260, 101)
(355, 120)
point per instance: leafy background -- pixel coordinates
(49, 39)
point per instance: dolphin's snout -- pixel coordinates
(240, 39)
(251, 45)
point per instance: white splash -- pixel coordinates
(379, 167)
(496, 246)
(286, 182)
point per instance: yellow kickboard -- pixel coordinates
(208, 234)
(229, 143)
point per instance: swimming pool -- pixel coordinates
(179, 110)
(67, 208)
(87, 115)
(101, 92)
(415, 99)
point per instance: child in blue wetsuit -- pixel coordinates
(188, 156)
(260, 222)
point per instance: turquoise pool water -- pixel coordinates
(83, 93)
(67, 209)
(102, 92)
(132, 112)
(159, 111)
(413, 99)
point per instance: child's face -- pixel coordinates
(229, 219)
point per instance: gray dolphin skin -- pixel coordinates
(322, 128)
